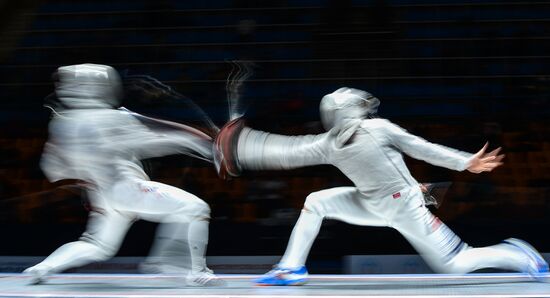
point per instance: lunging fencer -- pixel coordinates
(93, 141)
(368, 150)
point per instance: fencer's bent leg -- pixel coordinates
(193, 212)
(101, 240)
(341, 203)
(443, 250)
(186, 215)
(304, 233)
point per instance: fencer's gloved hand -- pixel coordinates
(225, 149)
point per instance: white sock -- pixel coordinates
(198, 241)
(499, 256)
(304, 233)
(171, 245)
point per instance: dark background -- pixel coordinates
(456, 72)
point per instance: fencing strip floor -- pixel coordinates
(498, 285)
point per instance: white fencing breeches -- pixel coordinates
(101, 240)
(442, 250)
(185, 215)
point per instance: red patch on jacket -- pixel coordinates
(436, 223)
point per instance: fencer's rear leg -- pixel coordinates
(445, 252)
(101, 241)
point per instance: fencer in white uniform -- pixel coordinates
(369, 152)
(91, 141)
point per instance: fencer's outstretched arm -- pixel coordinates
(258, 150)
(439, 155)
(146, 143)
(166, 143)
(237, 147)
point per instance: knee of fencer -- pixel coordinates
(453, 266)
(313, 204)
(443, 268)
(457, 263)
(103, 251)
(107, 253)
(205, 211)
(201, 210)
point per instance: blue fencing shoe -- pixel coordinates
(538, 268)
(283, 277)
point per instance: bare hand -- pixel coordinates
(485, 162)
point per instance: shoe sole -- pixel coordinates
(294, 283)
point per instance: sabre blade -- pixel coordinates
(240, 72)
